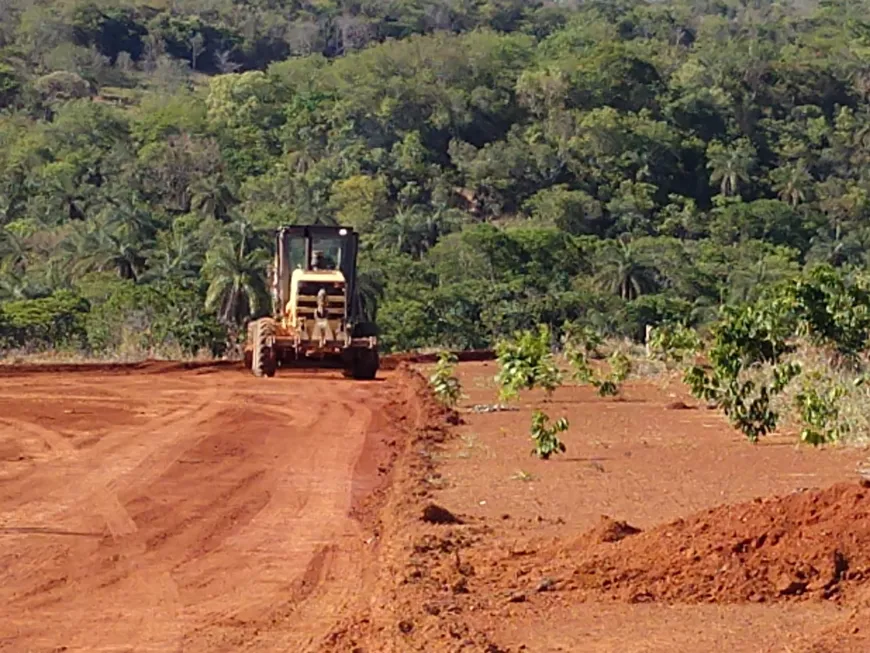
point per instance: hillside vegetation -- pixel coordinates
(510, 164)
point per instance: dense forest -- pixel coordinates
(616, 163)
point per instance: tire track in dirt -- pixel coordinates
(91, 486)
(224, 523)
(91, 477)
(312, 550)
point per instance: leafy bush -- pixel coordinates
(526, 362)
(443, 382)
(607, 386)
(154, 318)
(582, 337)
(54, 321)
(620, 368)
(674, 343)
(745, 340)
(831, 311)
(818, 405)
(546, 437)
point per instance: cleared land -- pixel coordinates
(170, 508)
(197, 510)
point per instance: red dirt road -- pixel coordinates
(185, 509)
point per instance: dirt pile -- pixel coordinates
(807, 544)
(609, 530)
(435, 514)
(393, 361)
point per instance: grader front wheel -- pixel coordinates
(264, 360)
(364, 365)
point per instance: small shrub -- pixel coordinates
(545, 436)
(582, 337)
(818, 406)
(526, 362)
(583, 371)
(674, 343)
(747, 340)
(444, 382)
(607, 386)
(56, 321)
(832, 311)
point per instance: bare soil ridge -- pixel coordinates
(808, 545)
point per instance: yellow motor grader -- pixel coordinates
(317, 315)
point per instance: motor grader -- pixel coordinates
(317, 315)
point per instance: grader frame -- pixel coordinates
(317, 316)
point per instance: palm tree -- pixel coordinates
(14, 282)
(730, 165)
(439, 223)
(237, 284)
(242, 229)
(625, 271)
(13, 251)
(212, 196)
(401, 232)
(175, 255)
(790, 182)
(105, 244)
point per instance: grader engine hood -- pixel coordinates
(317, 307)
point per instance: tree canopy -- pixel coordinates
(509, 163)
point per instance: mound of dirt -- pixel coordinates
(431, 414)
(435, 514)
(393, 361)
(141, 367)
(807, 544)
(610, 530)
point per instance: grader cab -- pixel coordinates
(317, 315)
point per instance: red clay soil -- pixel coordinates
(200, 509)
(393, 361)
(17, 370)
(534, 568)
(189, 511)
(809, 544)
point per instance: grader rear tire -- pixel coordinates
(249, 347)
(263, 361)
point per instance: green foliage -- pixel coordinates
(620, 368)
(9, 85)
(581, 337)
(746, 402)
(546, 436)
(674, 343)
(527, 362)
(153, 319)
(509, 164)
(818, 406)
(744, 340)
(578, 343)
(831, 310)
(54, 321)
(444, 382)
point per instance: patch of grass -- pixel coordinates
(470, 444)
(524, 476)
